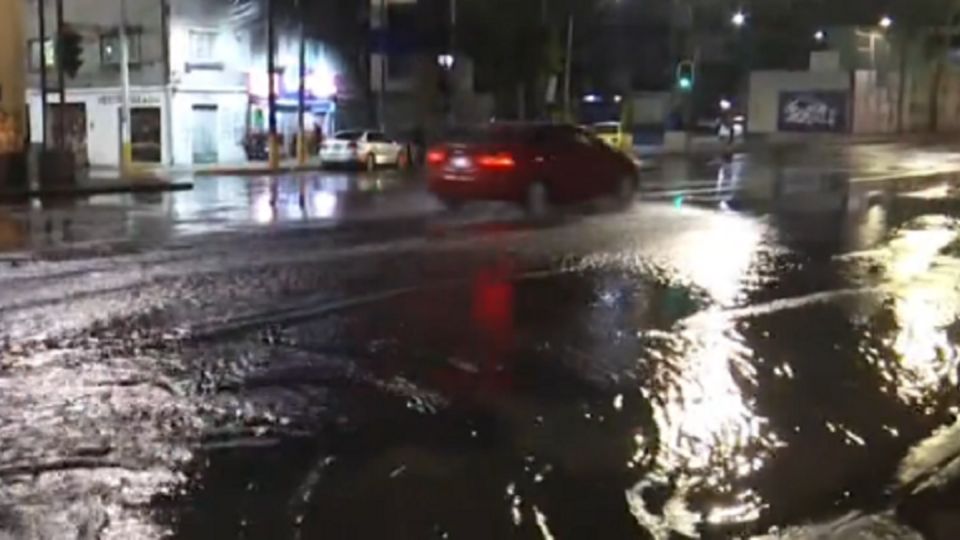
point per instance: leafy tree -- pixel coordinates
(518, 44)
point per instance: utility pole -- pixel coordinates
(302, 90)
(902, 81)
(381, 104)
(449, 73)
(567, 75)
(168, 89)
(126, 147)
(61, 108)
(42, 41)
(273, 143)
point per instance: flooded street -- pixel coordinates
(321, 359)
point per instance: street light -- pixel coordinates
(819, 35)
(739, 19)
(886, 22)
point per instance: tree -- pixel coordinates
(517, 45)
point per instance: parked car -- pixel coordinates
(532, 164)
(367, 149)
(613, 134)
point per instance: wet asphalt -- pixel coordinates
(755, 348)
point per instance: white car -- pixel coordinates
(368, 149)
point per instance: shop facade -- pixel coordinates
(92, 124)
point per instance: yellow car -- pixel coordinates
(613, 134)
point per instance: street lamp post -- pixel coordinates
(567, 72)
(126, 148)
(61, 108)
(41, 18)
(273, 145)
(382, 45)
(301, 90)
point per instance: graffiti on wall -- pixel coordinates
(813, 111)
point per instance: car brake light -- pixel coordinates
(496, 161)
(436, 157)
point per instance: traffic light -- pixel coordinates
(685, 75)
(70, 51)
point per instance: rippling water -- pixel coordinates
(676, 372)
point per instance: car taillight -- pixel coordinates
(502, 160)
(352, 145)
(436, 157)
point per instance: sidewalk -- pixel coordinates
(239, 168)
(94, 183)
(710, 144)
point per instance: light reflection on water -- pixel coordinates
(105, 449)
(709, 435)
(925, 302)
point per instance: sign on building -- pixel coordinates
(813, 111)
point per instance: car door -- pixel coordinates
(383, 147)
(563, 162)
(594, 165)
(393, 150)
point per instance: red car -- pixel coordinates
(531, 164)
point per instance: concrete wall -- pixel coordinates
(650, 108)
(875, 102)
(93, 20)
(765, 88)
(231, 122)
(227, 67)
(918, 98)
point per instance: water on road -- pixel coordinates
(214, 365)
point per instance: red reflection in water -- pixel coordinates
(489, 340)
(492, 310)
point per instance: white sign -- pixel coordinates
(135, 99)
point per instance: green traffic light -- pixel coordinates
(685, 83)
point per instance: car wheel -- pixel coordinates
(537, 199)
(371, 163)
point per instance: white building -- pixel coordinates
(196, 68)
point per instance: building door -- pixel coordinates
(204, 133)
(75, 132)
(145, 134)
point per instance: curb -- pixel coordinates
(911, 180)
(254, 171)
(85, 191)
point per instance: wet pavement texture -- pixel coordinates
(321, 356)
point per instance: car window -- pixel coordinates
(581, 136)
(606, 129)
(348, 135)
(559, 134)
(376, 136)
